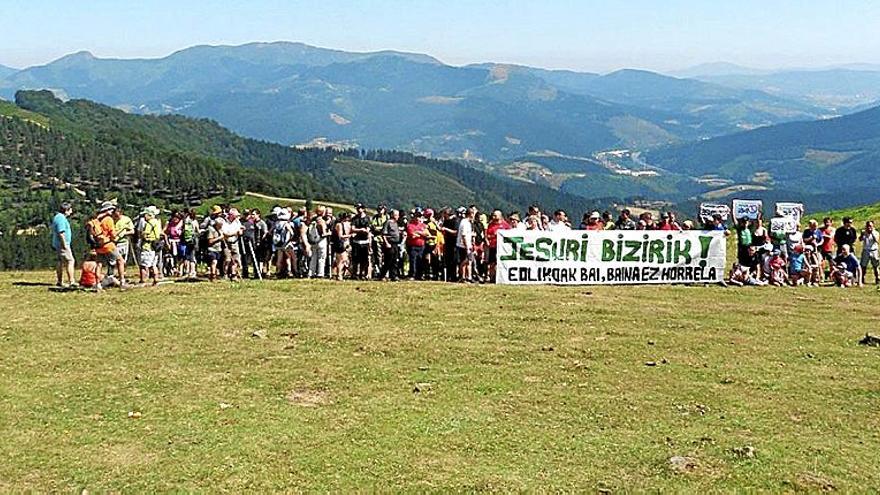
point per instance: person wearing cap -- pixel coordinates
(232, 231)
(214, 247)
(377, 223)
(593, 222)
(360, 243)
(465, 247)
(151, 245)
(62, 239)
(124, 232)
(416, 236)
(104, 230)
(845, 235)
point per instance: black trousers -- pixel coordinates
(360, 260)
(390, 265)
(449, 261)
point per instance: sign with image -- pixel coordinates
(747, 208)
(785, 225)
(795, 210)
(709, 210)
(580, 257)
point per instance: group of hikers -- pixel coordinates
(452, 245)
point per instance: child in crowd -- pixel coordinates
(776, 269)
(91, 275)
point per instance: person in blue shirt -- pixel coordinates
(850, 265)
(61, 241)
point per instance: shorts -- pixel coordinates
(872, 258)
(464, 255)
(232, 252)
(214, 255)
(187, 252)
(64, 254)
(108, 258)
(148, 258)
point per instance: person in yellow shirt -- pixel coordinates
(124, 230)
(152, 239)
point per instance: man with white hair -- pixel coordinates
(232, 231)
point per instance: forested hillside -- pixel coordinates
(78, 150)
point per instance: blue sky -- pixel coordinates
(582, 35)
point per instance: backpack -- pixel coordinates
(93, 234)
(312, 234)
(281, 235)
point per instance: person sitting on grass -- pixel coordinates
(92, 275)
(841, 276)
(846, 261)
(799, 269)
(776, 274)
(741, 275)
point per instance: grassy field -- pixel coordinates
(319, 386)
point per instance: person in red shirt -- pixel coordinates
(416, 234)
(827, 247)
(667, 222)
(496, 223)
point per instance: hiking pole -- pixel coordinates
(254, 259)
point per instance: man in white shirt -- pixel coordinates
(232, 231)
(464, 244)
(559, 222)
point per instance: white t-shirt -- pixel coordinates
(871, 242)
(465, 233)
(555, 226)
(232, 229)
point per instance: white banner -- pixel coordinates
(581, 257)
(747, 208)
(795, 210)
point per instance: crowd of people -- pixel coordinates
(452, 245)
(812, 256)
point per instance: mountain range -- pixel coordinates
(6, 71)
(293, 93)
(827, 163)
(624, 135)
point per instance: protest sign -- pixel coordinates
(709, 210)
(579, 257)
(747, 208)
(795, 210)
(785, 225)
